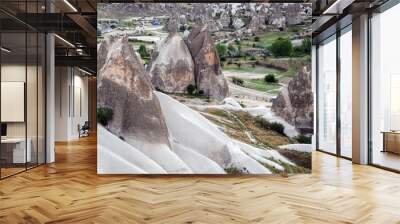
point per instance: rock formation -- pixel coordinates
(295, 102)
(125, 87)
(208, 74)
(172, 68)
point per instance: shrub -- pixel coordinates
(306, 46)
(270, 78)
(256, 38)
(253, 58)
(277, 127)
(303, 139)
(222, 50)
(143, 51)
(104, 115)
(273, 126)
(281, 47)
(191, 89)
(232, 170)
(237, 81)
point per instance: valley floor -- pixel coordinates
(70, 191)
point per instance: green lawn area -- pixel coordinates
(250, 69)
(266, 39)
(261, 85)
(289, 73)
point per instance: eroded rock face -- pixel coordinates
(102, 51)
(172, 68)
(125, 87)
(295, 102)
(208, 75)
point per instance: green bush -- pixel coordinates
(256, 38)
(143, 51)
(306, 46)
(237, 81)
(232, 170)
(273, 126)
(191, 89)
(303, 139)
(104, 115)
(277, 127)
(304, 49)
(281, 47)
(270, 78)
(222, 50)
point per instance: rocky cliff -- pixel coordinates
(295, 102)
(209, 78)
(125, 87)
(172, 67)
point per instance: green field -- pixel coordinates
(261, 85)
(266, 39)
(250, 69)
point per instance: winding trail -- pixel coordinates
(243, 92)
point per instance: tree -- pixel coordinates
(231, 50)
(222, 50)
(237, 81)
(191, 89)
(281, 47)
(270, 78)
(143, 51)
(306, 46)
(104, 115)
(239, 50)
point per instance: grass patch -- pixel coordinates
(250, 69)
(265, 138)
(236, 124)
(302, 159)
(265, 40)
(268, 125)
(190, 96)
(261, 85)
(219, 113)
(232, 170)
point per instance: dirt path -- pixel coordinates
(243, 92)
(243, 75)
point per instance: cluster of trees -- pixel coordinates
(228, 51)
(282, 47)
